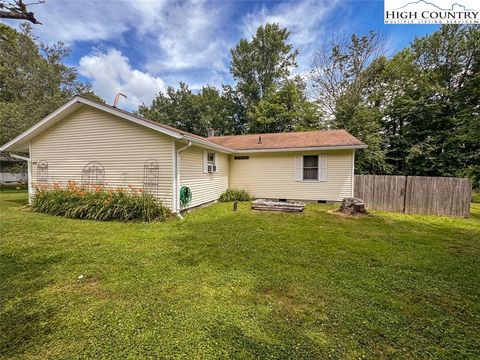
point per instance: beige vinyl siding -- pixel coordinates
(205, 187)
(272, 175)
(122, 147)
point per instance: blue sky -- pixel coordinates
(141, 47)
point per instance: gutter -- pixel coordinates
(176, 206)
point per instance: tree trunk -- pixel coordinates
(353, 206)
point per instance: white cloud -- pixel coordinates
(84, 20)
(111, 72)
(190, 36)
(171, 35)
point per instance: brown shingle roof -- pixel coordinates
(305, 139)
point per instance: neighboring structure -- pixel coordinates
(11, 170)
(96, 144)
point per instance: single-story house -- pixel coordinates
(97, 144)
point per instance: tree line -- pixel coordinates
(417, 110)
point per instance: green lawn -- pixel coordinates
(221, 284)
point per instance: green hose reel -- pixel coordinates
(185, 196)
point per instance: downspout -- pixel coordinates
(177, 176)
(29, 164)
(353, 173)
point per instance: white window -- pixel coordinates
(311, 168)
(209, 162)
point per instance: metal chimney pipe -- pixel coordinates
(117, 97)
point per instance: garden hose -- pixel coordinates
(185, 195)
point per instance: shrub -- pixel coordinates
(99, 204)
(235, 195)
(476, 197)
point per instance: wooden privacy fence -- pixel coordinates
(415, 194)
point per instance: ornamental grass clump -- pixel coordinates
(235, 195)
(98, 203)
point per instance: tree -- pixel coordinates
(33, 80)
(283, 110)
(195, 113)
(17, 9)
(216, 112)
(438, 102)
(237, 113)
(339, 66)
(263, 63)
(174, 108)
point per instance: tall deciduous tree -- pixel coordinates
(33, 80)
(338, 66)
(261, 64)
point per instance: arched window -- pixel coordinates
(42, 171)
(93, 174)
(151, 173)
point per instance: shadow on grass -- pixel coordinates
(243, 345)
(21, 202)
(24, 320)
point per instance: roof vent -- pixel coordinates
(117, 97)
(259, 140)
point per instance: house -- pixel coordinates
(97, 144)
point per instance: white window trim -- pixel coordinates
(206, 162)
(322, 175)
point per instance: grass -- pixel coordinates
(476, 197)
(224, 284)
